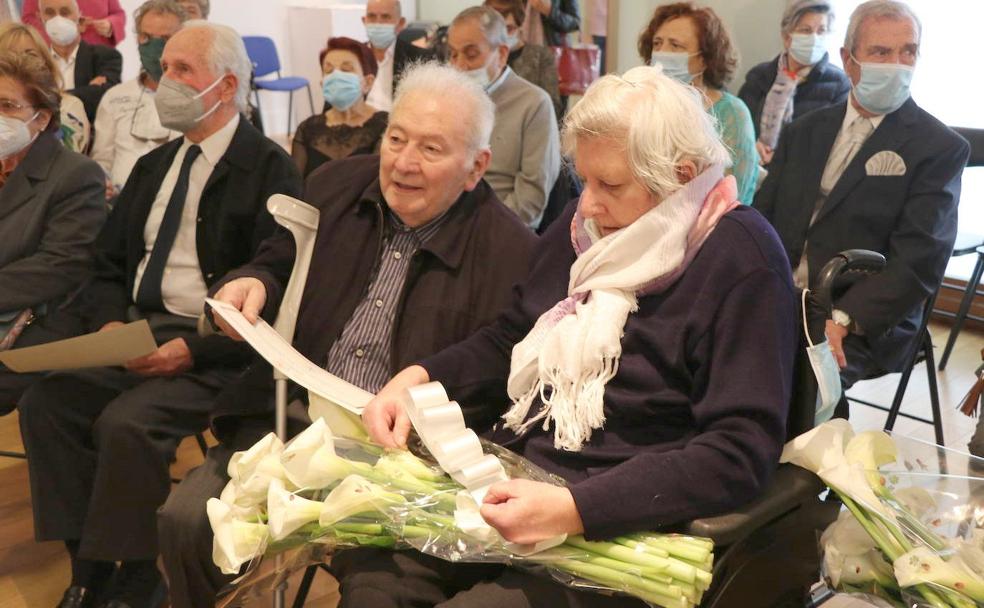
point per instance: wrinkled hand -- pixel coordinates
(98, 80)
(385, 419)
(525, 511)
(248, 295)
(835, 336)
(170, 359)
(112, 325)
(765, 153)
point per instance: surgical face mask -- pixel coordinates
(883, 87)
(180, 107)
(381, 35)
(827, 372)
(342, 89)
(14, 135)
(807, 49)
(512, 40)
(150, 57)
(675, 65)
(62, 30)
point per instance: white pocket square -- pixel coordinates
(885, 162)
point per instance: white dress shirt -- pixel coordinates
(841, 154)
(381, 93)
(183, 288)
(126, 128)
(67, 67)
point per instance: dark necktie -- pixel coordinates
(149, 294)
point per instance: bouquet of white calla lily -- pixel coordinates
(821, 447)
(287, 511)
(353, 496)
(250, 472)
(235, 541)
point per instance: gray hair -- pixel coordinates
(878, 9)
(203, 5)
(797, 8)
(167, 7)
(433, 79)
(660, 123)
(75, 2)
(226, 54)
(492, 24)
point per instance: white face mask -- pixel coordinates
(62, 30)
(827, 372)
(14, 135)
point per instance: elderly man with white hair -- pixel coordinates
(646, 359)
(525, 142)
(414, 252)
(99, 441)
(874, 172)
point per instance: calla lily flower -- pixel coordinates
(353, 496)
(847, 536)
(286, 511)
(235, 541)
(852, 481)
(820, 448)
(922, 565)
(871, 450)
(252, 470)
(857, 569)
(309, 461)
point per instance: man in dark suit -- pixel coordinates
(876, 172)
(87, 70)
(413, 253)
(99, 441)
(384, 21)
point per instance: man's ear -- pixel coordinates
(402, 23)
(479, 166)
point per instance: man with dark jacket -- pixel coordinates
(384, 21)
(99, 441)
(876, 172)
(413, 253)
(87, 70)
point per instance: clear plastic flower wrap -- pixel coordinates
(324, 494)
(912, 532)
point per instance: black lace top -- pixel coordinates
(316, 143)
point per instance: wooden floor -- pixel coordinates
(33, 575)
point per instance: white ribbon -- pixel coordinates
(457, 449)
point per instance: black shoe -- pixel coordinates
(155, 600)
(139, 590)
(77, 597)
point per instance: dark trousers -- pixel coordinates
(378, 578)
(99, 445)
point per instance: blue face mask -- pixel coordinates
(808, 49)
(883, 87)
(674, 65)
(342, 89)
(381, 35)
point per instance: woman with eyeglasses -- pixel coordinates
(799, 80)
(52, 207)
(75, 130)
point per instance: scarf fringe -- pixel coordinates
(575, 405)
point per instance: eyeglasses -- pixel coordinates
(9, 107)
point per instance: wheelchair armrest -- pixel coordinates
(791, 487)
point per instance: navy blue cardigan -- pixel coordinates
(695, 416)
(826, 85)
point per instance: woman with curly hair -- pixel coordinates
(692, 45)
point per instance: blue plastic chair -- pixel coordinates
(263, 54)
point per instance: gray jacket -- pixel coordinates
(52, 206)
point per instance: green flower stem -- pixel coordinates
(668, 596)
(676, 569)
(692, 552)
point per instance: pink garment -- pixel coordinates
(91, 9)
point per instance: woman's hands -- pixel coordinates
(384, 417)
(525, 511)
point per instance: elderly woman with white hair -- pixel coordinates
(647, 356)
(799, 80)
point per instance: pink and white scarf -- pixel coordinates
(574, 348)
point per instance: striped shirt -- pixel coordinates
(361, 355)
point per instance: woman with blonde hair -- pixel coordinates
(646, 359)
(75, 130)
